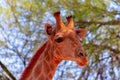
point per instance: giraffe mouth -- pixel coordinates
(83, 62)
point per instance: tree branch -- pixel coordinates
(112, 22)
(103, 47)
(8, 73)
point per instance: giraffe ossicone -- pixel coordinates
(64, 43)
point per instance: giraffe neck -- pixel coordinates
(42, 66)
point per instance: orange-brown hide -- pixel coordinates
(64, 43)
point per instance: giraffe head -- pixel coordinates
(67, 41)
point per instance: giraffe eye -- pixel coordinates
(58, 40)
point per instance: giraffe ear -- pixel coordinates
(81, 32)
(48, 29)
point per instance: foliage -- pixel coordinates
(21, 33)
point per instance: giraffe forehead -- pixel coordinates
(65, 32)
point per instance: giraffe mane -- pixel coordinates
(33, 61)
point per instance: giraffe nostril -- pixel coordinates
(81, 54)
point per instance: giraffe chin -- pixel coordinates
(82, 64)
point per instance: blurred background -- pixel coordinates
(22, 32)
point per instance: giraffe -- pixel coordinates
(64, 43)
